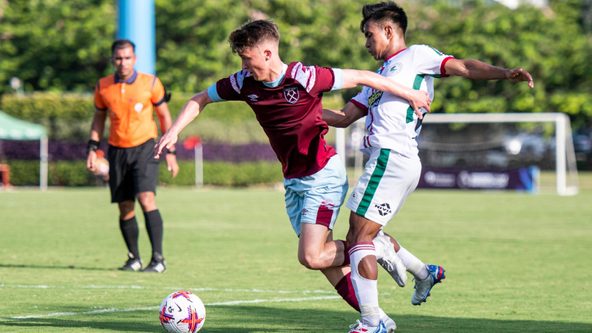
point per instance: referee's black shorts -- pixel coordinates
(132, 171)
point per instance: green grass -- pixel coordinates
(515, 263)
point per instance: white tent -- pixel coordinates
(16, 129)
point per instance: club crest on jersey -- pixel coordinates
(396, 68)
(291, 95)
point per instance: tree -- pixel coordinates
(55, 45)
(65, 45)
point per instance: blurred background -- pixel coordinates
(53, 52)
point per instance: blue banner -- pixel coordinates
(520, 179)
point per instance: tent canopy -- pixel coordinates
(16, 129)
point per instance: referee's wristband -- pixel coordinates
(174, 152)
(92, 145)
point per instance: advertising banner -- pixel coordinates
(520, 179)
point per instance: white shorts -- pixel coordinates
(388, 179)
(316, 198)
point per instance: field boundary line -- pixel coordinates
(155, 308)
(137, 287)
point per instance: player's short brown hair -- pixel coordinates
(252, 33)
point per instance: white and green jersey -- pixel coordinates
(390, 121)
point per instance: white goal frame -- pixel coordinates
(564, 149)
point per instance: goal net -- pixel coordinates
(490, 148)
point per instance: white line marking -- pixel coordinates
(155, 308)
(136, 287)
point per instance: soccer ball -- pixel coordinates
(182, 312)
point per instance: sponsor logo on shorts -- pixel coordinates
(383, 209)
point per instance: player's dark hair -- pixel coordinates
(122, 43)
(252, 33)
(383, 11)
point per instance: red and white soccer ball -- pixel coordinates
(182, 312)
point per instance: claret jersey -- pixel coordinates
(391, 122)
(289, 111)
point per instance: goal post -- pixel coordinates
(566, 182)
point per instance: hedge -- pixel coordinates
(71, 151)
(74, 173)
(68, 116)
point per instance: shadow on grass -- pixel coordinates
(34, 266)
(247, 319)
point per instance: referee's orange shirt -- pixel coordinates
(130, 104)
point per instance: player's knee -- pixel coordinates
(310, 261)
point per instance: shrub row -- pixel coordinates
(71, 151)
(74, 173)
(67, 116)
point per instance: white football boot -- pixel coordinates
(388, 258)
(359, 327)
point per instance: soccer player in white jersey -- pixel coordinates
(286, 99)
(393, 169)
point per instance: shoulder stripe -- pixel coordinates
(305, 75)
(237, 79)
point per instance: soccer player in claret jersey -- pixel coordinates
(286, 99)
(393, 169)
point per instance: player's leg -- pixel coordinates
(364, 269)
(412, 264)
(387, 257)
(318, 242)
(397, 181)
(425, 276)
(373, 203)
(122, 193)
(145, 174)
(316, 248)
(313, 204)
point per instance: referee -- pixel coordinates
(129, 98)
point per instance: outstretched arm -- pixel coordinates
(478, 70)
(344, 117)
(416, 98)
(190, 110)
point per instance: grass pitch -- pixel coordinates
(515, 263)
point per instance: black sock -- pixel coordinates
(129, 230)
(154, 228)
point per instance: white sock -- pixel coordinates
(382, 314)
(413, 264)
(366, 289)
